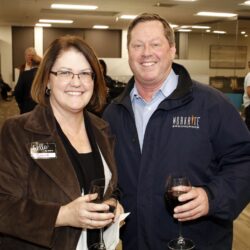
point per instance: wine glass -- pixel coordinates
(104, 194)
(175, 186)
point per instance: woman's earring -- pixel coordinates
(47, 91)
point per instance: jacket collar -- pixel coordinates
(181, 95)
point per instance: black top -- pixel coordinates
(88, 166)
(22, 90)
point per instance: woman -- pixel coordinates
(31, 57)
(25, 80)
(50, 155)
(23, 87)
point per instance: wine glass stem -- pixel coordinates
(181, 240)
(102, 245)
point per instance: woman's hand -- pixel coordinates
(197, 205)
(83, 213)
(118, 208)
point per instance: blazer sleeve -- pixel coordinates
(21, 216)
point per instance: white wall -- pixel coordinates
(38, 31)
(6, 53)
(198, 69)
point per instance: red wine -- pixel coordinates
(171, 198)
(112, 209)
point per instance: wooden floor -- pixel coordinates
(241, 225)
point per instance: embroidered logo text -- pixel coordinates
(186, 122)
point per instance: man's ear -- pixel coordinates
(172, 52)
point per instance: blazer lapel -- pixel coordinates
(59, 169)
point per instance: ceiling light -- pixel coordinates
(200, 27)
(184, 30)
(216, 14)
(173, 25)
(128, 16)
(208, 31)
(43, 24)
(219, 32)
(185, 0)
(245, 3)
(73, 7)
(54, 21)
(100, 27)
(243, 32)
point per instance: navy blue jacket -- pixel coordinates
(198, 132)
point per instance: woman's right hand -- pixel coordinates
(84, 213)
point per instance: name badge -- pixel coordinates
(43, 150)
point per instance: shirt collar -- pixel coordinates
(168, 86)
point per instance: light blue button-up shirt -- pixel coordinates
(143, 109)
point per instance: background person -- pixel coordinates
(166, 123)
(30, 57)
(22, 90)
(246, 98)
(4, 88)
(115, 88)
(50, 155)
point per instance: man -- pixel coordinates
(166, 123)
(246, 97)
(4, 89)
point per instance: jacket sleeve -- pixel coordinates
(21, 216)
(229, 187)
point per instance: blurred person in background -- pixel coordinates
(30, 57)
(22, 91)
(115, 88)
(5, 89)
(246, 97)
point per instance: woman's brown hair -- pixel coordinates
(38, 91)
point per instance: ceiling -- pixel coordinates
(28, 12)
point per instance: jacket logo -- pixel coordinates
(186, 122)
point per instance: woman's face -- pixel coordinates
(70, 93)
(29, 56)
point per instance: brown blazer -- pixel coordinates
(32, 190)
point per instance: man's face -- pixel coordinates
(150, 55)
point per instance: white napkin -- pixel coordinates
(111, 235)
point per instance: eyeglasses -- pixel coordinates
(84, 76)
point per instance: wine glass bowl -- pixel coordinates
(176, 186)
(98, 186)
